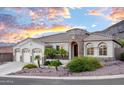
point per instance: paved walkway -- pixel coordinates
(10, 67)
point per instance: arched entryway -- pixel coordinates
(74, 49)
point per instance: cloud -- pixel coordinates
(94, 12)
(13, 37)
(63, 12)
(79, 26)
(40, 20)
(93, 25)
(114, 14)
(2, 26)
(117, 14)
(7, 20)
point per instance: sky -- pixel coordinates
(19, 23)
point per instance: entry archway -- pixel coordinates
(74, 49)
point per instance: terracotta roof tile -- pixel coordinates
(6, 49)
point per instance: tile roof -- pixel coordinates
(6, 49)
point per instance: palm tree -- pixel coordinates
(37, 57)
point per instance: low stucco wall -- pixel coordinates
(64, 62)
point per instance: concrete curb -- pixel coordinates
(68, 78)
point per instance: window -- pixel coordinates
(36, 50)
(48, 46)
(57, 47)
(90, 49)
(102, 49)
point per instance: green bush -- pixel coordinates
(80, 64)
(29, 66)
(51, 52)
(122, 56)
(55, 63)
(122, 42)
(75, 65)
(47, 63)
(63, 52)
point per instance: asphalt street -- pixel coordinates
(29, 81)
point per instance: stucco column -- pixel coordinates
(80, 48)
(96, 52)
(43, 55)
(69, 48)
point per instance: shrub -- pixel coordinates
(55, 63)
(122, 56)
(75, 65)
(80, 64)
(63, 52)
(122, 42)
(47, 63)
(29, 66)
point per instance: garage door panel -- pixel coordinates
(17, 56)
(26, 56)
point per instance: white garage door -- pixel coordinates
(36, 52)
(17, 55)
(26, 55)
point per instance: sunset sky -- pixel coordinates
(19, 23)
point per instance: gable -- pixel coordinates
(23, 43)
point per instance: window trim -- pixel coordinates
(89, 50)
(102, 50)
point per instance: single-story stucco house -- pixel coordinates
(77, 42)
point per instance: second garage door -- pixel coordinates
(17, 55)
(26, 55)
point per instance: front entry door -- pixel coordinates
(75, 50)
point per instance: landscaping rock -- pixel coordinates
(112, 68)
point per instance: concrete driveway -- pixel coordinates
(10, 67)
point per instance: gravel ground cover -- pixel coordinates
(110, 68)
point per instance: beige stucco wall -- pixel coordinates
(110, 48)
(30, 45)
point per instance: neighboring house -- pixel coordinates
(6, 53)
(77, 42)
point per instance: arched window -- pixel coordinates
(90, 49)
(102, 49)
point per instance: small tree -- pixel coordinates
(63, 52)
(56, 63)
(50, 52)
(37, 57)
